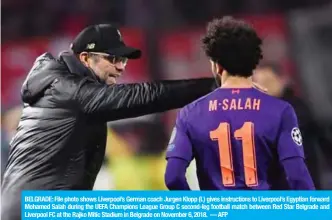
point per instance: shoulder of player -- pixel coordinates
(273, 99)
(284, 105)
(284, 108)
(277, 103)
(190, 108)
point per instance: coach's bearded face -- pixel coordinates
(107, 68)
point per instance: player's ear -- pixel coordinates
(212, 66)
(219, 69)
(216, 68)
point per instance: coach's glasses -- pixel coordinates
(111, 58)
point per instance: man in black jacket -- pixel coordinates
(60, 140)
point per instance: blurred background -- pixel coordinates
(296, 67)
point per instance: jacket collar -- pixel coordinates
(75, 66)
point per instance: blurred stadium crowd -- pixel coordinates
(297, 63)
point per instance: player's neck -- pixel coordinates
(236, 82)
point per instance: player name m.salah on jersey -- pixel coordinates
(235, 104)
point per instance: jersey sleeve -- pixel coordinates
(290, 138)
(180, 145)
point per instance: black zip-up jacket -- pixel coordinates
(61, 137)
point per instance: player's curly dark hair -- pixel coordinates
(233, 44)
